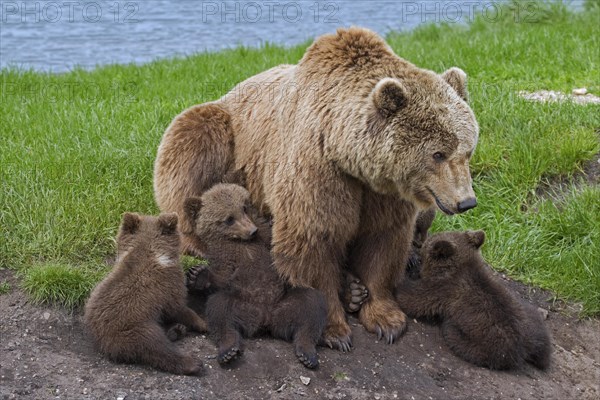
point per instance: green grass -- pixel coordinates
(77, 149)
(4, 287)
(60, 283)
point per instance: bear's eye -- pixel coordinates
(439, 156)
(229, 220)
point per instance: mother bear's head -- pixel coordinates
(396, 127)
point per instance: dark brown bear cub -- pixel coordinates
(126, 313)
(249, 296)
(482, 321)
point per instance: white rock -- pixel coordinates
(580, 92)
(46, 315)
(305, 380)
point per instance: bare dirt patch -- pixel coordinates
(559, 187)
(579, 96)
(45, 354)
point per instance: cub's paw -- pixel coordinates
(356, 295)
(308, 357)
(176, 332)
(337, 336)
(228, 354)
(413, 265)
(384, 318)
(197, 278)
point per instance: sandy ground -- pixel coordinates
(45, 354)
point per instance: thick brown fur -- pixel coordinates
(424, 221)
(482, 321)
(249, 296)
(342, 150)
(127, 312)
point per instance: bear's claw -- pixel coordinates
(342, 343)
(308, 360)
(228, 355)
(194, 280)
(390, 335)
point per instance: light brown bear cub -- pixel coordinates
(126, 313)
(248, 295)
(482, 321)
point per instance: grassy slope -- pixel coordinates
(77, 150)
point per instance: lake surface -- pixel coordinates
(56, 36)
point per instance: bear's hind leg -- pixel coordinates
(189, 318)
(301, 316)
(494, 350)
(227, 317)
(195, 153)
(536, 339)
(148, 344)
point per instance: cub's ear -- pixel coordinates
(442, 249)
(476, 238)
(167, 223)
(130, 223)
(389, 96)
(237, 176)
(457, 78)
(191, 211)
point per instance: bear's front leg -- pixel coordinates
(378, 256)
(319, 269)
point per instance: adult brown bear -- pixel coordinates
(342, 150)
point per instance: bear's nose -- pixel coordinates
(466, 205)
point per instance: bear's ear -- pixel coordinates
(476, 238)
(191, 208)
(457, 78)
(130, 223)
(389, 96)
(167, 223)
(442, 249)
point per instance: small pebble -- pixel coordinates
(305, 380)
(580, 92)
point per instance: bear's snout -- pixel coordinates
(466, 205)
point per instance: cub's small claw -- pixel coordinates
(228, 355)
(308, 360)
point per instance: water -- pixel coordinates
(58, 35)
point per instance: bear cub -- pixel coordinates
(482, 321)
(145, 292)
(248, 296)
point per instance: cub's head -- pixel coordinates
(143, 235)
(423, 135)
(221, 213)
(449, 253)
